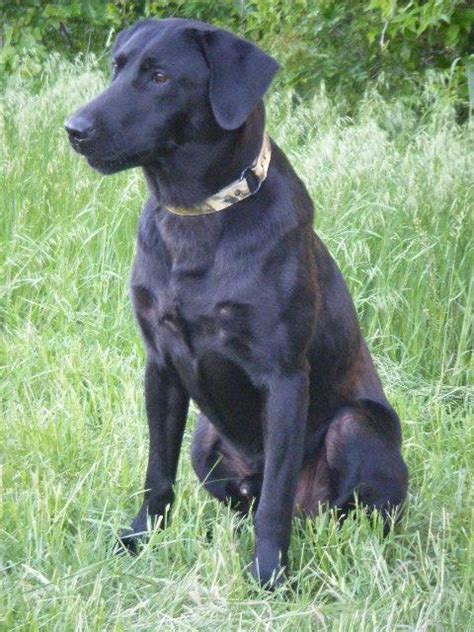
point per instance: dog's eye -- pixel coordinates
(115, 68)
(117, 64)
(159, 77)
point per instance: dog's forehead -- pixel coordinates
(164, 40)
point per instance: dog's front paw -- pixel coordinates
(269, 567)
(132, 539)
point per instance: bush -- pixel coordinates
(348, 44)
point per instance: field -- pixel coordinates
(393, 200)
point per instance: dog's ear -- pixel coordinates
(240, 75)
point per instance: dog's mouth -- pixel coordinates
(104, 164)
(107, 166)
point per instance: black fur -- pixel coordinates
(244, 310)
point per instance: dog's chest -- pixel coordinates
(191, 312)
(176, 313)
(209, 337)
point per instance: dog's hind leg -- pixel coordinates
(362, 450)
(222, 472)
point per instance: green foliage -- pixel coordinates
(345, 43)
(421, 35)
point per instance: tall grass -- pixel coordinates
(393, 201)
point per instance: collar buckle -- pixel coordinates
(253, 182)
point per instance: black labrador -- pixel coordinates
(240, 305)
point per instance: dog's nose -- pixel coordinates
(78, 128)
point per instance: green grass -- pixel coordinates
(393, 200)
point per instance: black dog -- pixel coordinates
(240, 304)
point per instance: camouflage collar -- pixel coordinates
(237, 190)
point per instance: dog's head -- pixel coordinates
(172, 81)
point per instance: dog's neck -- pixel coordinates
(195, 170)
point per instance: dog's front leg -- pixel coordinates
(166, 408)
(286, 413)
